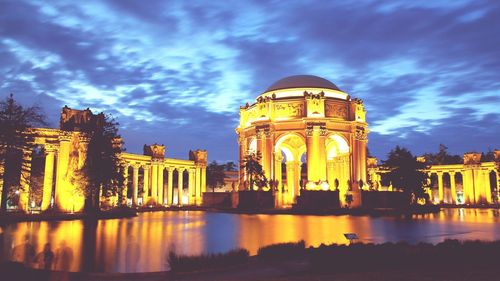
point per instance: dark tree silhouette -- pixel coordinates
(230, 166)
(254, 171)
(103, 168)
(442, 157)
(405, 173)
(215, 175)
(15, 122)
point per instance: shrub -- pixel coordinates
(179, 263)
(282, 250)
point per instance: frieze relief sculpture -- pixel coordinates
(336, 110)
(289, 110)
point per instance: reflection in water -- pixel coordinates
(142, 243)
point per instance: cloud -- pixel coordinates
(176, 72)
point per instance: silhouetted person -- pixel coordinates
(45, 259)
(24, 253)
(132, 254)
(63, 258)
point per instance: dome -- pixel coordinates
(302, 81)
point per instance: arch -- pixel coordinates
(493, 181)
(336, 145)
(287, 135)
(291, 146)
(252, 145)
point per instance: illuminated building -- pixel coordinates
(65, 153)
(306, 119)
(471, 183)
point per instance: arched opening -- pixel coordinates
(493, 186)
(140, 187)
(433, 187)
(130, 185)
(36, 178)
(459, 184)
(338, 166)
(288, 151)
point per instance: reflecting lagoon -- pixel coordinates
(141, 244)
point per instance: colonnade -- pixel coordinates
(154, 189)
(63, 190)
(475, 182)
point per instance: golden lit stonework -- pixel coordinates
(151, 173)
(306, 119)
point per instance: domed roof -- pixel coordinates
(302, 81)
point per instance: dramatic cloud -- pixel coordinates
(175, 72)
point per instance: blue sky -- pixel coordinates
(176, 72)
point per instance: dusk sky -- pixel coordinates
(176, 72)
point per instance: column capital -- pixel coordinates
(136, 167)
(170, 169)
(84, 138)
(50, 148)
(361, 134)
(65, 136)
(180, 169)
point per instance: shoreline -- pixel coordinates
(16, 217)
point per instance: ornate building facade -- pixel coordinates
(149, 178)
(474, 182)
(310, 135)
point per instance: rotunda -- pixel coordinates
(311, 136)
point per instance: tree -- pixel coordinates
(15, 139)
(405, 173)
(254, 171)
(442, 157)
(230, 166)
(215, 175)
(102, 172)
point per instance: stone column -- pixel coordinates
(135, 185)
(2, 174)
(203, 180)
(160, 185)
(145, 188)
(62, 169)
(198, 185)
(362, 161)
(278, 177)
(125, 188)
(179, 186)
(267, 157)
(290, 180)
(191, 193)
(453, 188)
(331, 174)
(440, 187)
(154, 182)
(170, 186)
(314, 166)
(48, 177)
(24, 203)
(487, 186)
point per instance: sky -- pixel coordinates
(176, 72)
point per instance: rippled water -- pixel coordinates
(140, 244)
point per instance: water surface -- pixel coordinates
(141, 244)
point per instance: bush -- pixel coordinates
(180, 263)
(449, 254)
(282, 250)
